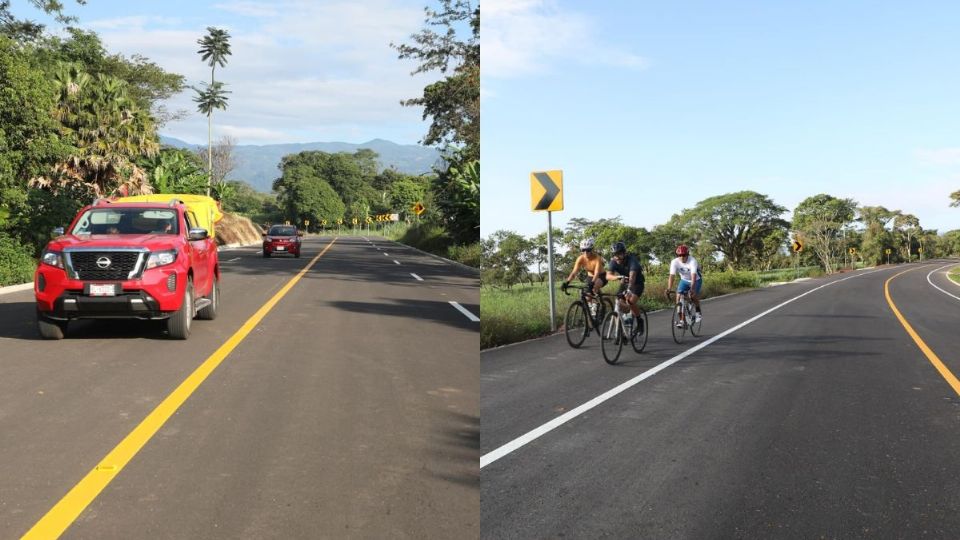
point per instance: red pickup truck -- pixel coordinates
(144, 260)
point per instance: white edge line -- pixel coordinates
(948, 277)
(465, 311)
(418, 278)
(396, 261)
(385, 253)
(536, 433)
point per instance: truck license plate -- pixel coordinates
(281, 248)
(103, 289)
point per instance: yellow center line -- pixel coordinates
(66, 511)
(934, 359)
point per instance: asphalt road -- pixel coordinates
(822, 418)
(350, 410)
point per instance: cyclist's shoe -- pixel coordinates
(697, 318)
(639, 326)
(679, 324)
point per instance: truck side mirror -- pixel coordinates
(197, 233)
(58, 231)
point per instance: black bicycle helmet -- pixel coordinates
(619, 247)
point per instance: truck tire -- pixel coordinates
(209, 313)
(50, 329)
(178, 325)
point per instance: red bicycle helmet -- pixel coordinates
(682, 250)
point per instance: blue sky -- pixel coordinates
(301, 71)
(651, 107)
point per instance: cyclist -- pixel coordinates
(592, 263)
(691, 279)
(627, 266)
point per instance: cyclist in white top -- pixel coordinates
(691, 278)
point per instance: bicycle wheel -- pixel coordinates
(640, 333)
(575, 325)
(611, 337)
(678, 333)
(694, 327)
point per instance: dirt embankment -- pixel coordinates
(234, 229)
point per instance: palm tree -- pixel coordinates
(214, 49)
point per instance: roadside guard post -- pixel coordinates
(797, 247)
(546, 194)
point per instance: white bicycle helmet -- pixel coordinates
(587, 244)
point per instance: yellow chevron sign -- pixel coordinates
(546, 191)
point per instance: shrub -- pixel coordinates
(467, 254)
(16, 263)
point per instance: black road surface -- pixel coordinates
(821, 419)
(350, 410)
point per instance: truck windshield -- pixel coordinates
(127, 221)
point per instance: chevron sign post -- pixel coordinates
(546, 194)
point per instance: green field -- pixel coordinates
(523, 311)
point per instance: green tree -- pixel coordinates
(453, 103)
(304, 195)
(175, 170)
(214, 50)
(108, 133)
(820, 219)
(908, 227)
(876, 237)
(457, 197)
(148, 85)
(23, 30)
(736, 224)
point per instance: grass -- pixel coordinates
(954, 275)
(523, 311)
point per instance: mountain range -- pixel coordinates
(258, 165)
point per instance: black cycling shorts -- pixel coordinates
(636, 288)
(601, 278)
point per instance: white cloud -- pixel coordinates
(529, 36)
(250, 9)
(938, 156)
(298, 69)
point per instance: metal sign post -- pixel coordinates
(546, 193)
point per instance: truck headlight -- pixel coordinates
(161, 258)
(52, 258)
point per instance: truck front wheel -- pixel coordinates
(50, 329)
(178, 325)
(209, 313)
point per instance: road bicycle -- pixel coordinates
(620, 326)
(585, 315)
(684, 312)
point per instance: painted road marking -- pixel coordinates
(931, 356)
(465, 311)
(234, 260)
(66, 511)
(536, 433)
(385, 253)
(418, 278)
(948, 278)
(396, 261)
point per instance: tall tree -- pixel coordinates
(453, 102)
(214, 50)
(108, 132)
(908, 225)
(819, 220)
(737, 223)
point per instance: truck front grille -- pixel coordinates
(89, 265)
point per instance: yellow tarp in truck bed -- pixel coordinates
(205, 208)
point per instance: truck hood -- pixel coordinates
(152, 242)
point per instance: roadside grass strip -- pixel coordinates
(536, 433)
(69, 508)
(927, 351)
(950, 275)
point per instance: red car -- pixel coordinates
(142, 260)
(282, 239)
